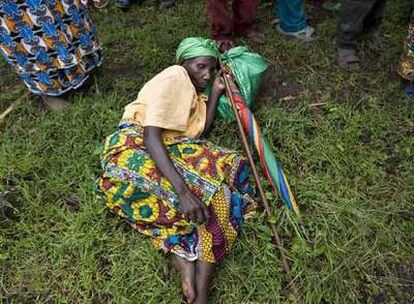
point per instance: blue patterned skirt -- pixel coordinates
(52, 44)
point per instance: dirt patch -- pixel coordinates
(399, 293)
(122, 69)
(380, 298)
(405, 272)
(102, 298)
(279, 86)
(317, 107)
(121, 61)
(137, 21)
(11, 199)
(118, 73)
(72, 203)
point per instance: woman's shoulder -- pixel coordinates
(170, 79)
(173, 72)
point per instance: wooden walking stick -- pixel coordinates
(276, 237)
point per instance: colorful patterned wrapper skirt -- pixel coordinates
(52, 44)
(406, 68)
(134, 189)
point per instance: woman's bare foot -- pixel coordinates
(187, 271)
(204, 273)
(55, 103)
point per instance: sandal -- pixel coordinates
(304, 35)
(347, 59)
(225, 44)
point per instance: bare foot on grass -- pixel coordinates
(187, 271)
(204, 273)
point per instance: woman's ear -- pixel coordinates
(184, 63)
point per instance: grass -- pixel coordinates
(351, 160)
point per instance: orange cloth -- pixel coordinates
(169, 101)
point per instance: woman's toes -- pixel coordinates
(187, 271)
(189, 292)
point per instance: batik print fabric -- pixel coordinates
(406, 68)
(134, 189)
(52, 44)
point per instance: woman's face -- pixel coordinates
(201, 71)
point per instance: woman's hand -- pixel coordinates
(193, 208)
(218, 83)
(217, 89)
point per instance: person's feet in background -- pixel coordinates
(225, 44)
(233, 18)
(355, 17)
(291, 19)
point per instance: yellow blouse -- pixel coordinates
(169, 101)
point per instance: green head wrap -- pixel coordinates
(195, 47)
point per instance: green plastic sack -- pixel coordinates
(248, 69)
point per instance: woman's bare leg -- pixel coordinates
(188, 272)
(204, 273)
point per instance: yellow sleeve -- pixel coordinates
(169, 96)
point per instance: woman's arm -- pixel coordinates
(191, 206)
(216, 91)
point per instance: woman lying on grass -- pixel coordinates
(170, 183)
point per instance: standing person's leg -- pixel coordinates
(406, 66)
(372, 23)
(221, 21)
(292, 19)
(351, 23)
(244, 13)
(374, 17)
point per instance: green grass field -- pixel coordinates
(346, 140)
